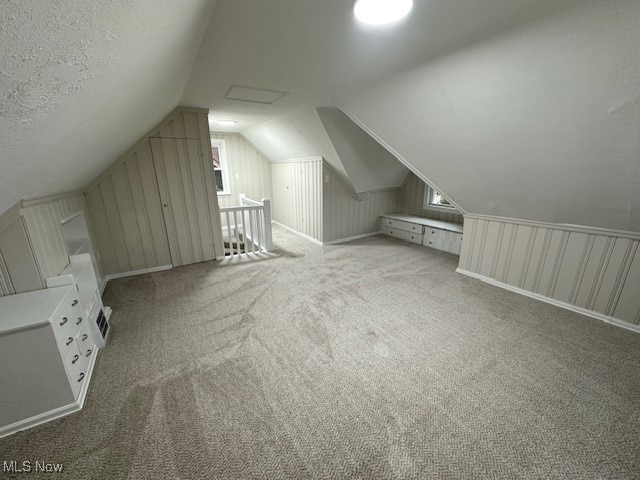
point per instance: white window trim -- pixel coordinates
(428, 198)
(221, 145)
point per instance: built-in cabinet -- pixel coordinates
(445, 236)
(49, 340)
(47, 353)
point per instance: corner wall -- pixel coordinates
(344, 216)
(297, 196)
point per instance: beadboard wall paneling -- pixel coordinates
(126, 207)
(297, 196)
(345, 217)
(595, 270)
(6, 288)
(19, 270)
(249, 170)
(411, 200)
(43, 221)
(184, 168)
(126, 215)
(32, 245)
(10, 222)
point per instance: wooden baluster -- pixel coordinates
(235, 220)
(229, 234)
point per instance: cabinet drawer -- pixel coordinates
(401, 225)
(403, 235)
(68, 319)
(84, 339)
(77, 363)
(443, 240)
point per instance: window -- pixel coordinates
(434, 200)
(220, 166)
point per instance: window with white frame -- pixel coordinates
(220, 166)
(434, 200)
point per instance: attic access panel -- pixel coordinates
(254, 95)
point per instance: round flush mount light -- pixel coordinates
(381, 12)
(227, 123)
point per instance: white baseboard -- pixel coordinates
(39, 419)
(552, 301)
(56, 413)
(303, 235)
(351, 239)
(138, 272)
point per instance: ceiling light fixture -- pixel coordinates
(227, 123)
(381, 12)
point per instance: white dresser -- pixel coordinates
(444, 236)
(47, 354)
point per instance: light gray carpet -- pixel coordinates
(367, 360)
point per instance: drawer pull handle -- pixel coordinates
(64, 320)
(79, 321)
(88, 353)
(81, 377)
(68, 342)
(74, 303)
(84, 337)
(75, 358)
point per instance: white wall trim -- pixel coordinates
(303, 235)
(298, 160)
(138, 272)
(351, 239)
(559, 226)
(39, 419)
(567, 306)
(33, 201)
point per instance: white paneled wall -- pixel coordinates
(32, 245)
(43, 221)
(249, 170)
(411, 201)
(19, 270)
(344, 216)
(142, 206)
(297, 196)
(594, 271)
(126, 215)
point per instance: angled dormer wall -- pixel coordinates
(156, 206)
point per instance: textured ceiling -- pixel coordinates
(82, 80)
(522, 108)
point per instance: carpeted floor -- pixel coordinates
(367, 360)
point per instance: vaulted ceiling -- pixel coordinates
(520, 108)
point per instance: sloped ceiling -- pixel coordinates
(368, 164)
(540, 123)
(82, 80)
(521, 108)
(526, 109)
